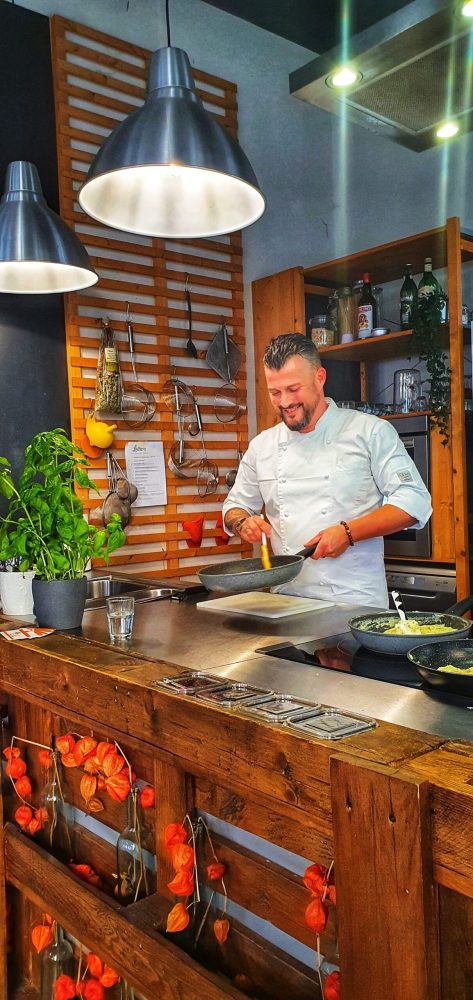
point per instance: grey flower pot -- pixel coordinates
(59, 603)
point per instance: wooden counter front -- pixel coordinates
(393, 807)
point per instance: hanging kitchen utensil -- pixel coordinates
(190, 346)
(207, 472)
(228, 403)
(184, 400)
(113, 503)
(108, 386)
(179, 465)
(232, 473)
(138, 403)
(223, 356)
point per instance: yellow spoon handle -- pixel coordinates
(264, 552)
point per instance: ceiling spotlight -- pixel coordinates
(447, 130)
(467, 9)
(345, 77)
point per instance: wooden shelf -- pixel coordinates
(386, 262)
(389, 345)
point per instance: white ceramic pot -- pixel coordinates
(16, 595)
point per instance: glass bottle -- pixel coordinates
(428, 285)
(345, 315)
(57, 816)
(367, 318)
(408, 298)
(332, 316)
(57, 960)
(131, 871)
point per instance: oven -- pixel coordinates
(422, 588)
(414, 434)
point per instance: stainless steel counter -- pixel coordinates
(183, 634)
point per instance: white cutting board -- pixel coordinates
(264, 605)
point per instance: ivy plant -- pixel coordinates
(426, 342)
(44, 526)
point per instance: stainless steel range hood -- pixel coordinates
(416, 73)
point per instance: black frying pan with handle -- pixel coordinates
(429, 657)
(242, 575)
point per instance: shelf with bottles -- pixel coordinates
(389, 345)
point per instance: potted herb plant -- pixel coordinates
(44, 527)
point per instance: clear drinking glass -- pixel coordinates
(120, 611)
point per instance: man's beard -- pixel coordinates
(297, 425)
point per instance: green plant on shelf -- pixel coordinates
(426, 342)
(44, 526)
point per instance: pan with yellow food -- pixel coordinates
(382, 632)
(445, 665)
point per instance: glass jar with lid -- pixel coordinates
(346, 325)
(320, 332)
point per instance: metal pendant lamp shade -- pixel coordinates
(170, 169)
(38, 252)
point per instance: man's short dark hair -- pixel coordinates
(290, 345)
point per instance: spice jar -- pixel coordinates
(345, 315)
(321, 334)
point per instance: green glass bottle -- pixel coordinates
(428, 285)
(408, 298)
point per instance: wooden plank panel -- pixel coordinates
(383, 860)
(149, 962)
(456, 934)
(143, 271)
(278, 307)
(458, 440)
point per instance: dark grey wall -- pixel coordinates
(33, 387)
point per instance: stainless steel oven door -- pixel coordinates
(414, 434)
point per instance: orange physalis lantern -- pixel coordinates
(23, 787)
(93, 990)
(33, 827)
(41, 936)
(23, 815)
(68, 760)
(94, 965)
(86, 873)
(332, 894)
(118, 786)
(88, 786)
(112, 764)
(45, 758)
(315, 879)
(221, 930)
(147, 797)
(174, 833)
(10, 752)
(182, 883)
(178, 919)
(64, 988)
(332, 986)
(316, 915)
(95, 805)
(15, 768)
(103, 748)
(84, 748)
(182, 856)
(215, 870)
(65, 744)
(109, 977)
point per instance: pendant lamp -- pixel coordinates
(170, 169)
(38, 252)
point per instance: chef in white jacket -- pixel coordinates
(337, 477)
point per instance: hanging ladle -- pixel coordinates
(190, 346)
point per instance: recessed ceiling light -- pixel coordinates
(467, 9)
(447, 130)
(345, 77)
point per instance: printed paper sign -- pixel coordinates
(12, 634)
(145, 468)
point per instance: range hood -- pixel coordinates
(416, 73)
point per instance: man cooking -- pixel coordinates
(338, 478)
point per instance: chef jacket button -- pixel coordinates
(286, 515)
(323, 511)
(283, 480)
(329, 440)
(326, 477)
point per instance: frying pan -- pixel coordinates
(429, 657)
(248, 574)
(369, 629)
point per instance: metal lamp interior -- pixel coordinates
(170, 169)
(39, 253)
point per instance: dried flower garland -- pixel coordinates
(320, 881)
(180, 843)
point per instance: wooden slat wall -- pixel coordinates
(98, 81)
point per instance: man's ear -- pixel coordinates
(320, 376)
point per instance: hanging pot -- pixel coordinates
(59, 603)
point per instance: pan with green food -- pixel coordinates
(382, 632)
(445, 665)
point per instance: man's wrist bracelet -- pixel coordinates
(349, 534)
(235, 527)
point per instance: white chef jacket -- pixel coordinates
(347, 466)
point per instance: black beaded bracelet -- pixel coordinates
(349, 534)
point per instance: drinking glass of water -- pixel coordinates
(120, 611)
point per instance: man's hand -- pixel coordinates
(252, 528)
(331, 542)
